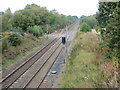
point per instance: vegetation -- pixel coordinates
(6, 20)
(33, 15)
(108, 17)
(96, 55)
(11, 55)
(90, 20)
(109, 24)
(84, 63)
(91, 56)
(85, 27)
(15, 40)
(87, 67)
(34, 20)
(35, 30)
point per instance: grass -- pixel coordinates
(81, 71)
(83, 67)
(10, 62)
(13, 55)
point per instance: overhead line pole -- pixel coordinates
(66, 44)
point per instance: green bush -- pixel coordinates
(35, 30)
(85, 27)
(4, 45)
(17, 30)
(15, 39)
(30, 29)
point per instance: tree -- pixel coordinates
(90, 20)
(113, 31)
(32, 6)
(8, 11)
(106, 10)
(6, 20)
(109, 18)
(23, 19)
(85, 27)
(30, 16)
(33, 15)
(54, 18)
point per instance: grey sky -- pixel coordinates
(67, 7)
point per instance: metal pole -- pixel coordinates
(66, 44)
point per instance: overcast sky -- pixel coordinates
(67, 7)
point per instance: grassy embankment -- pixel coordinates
(84, 65)
(13, 55)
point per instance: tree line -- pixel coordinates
(32, 17)
(88, 22)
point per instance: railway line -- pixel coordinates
(51, 80)
(32, 72)
(15, 74)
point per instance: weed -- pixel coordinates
(13, 55)
(83, 66)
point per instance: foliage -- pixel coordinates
(17, 30)
(30, 16)
(110, 21)
(15, 40)
(58, 21)
(108, 17)
(23, 19)
(4, 45)
(35, 30)
(28, 6)
(34, 15)
(33, 19)
(5, 20)
(14, 55)
(85, 27)
(105, 12)
(90, 20)
(82, 68)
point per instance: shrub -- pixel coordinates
(30, 29)
(85, 27)
(14, 39)
(4, 45)
(35, 30)
(17, 29)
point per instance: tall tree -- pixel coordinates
(6, 20)
(106, 10)
(30, 16)
(109, 18)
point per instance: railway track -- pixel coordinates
(15, 74)
(38, 68)
(33, 71)
(41, 74)
(73, 27)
